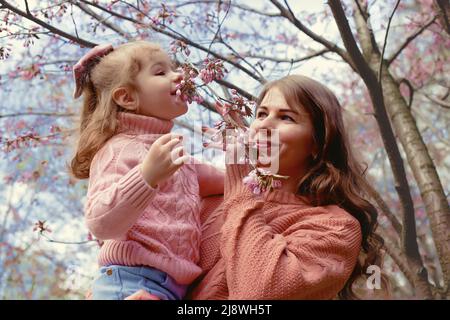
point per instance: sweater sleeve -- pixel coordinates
(117, 193)
(210, 180)
(312, 259)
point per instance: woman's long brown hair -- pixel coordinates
(334, 176)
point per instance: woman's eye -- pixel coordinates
(287, 118)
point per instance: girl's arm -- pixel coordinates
(210, 180)
(117, 193)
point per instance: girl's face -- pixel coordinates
(295, 131)
(156, 84)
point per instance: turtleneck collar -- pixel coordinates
(138, 124)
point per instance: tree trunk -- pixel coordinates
(423, 169)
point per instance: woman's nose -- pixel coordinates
(267, 123)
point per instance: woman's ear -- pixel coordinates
(126, 98)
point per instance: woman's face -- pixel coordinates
(295, 132)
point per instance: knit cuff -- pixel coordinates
(136, 190)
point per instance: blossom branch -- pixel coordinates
(410, 39)
(47, 26)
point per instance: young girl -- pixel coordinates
(141, 203)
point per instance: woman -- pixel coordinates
(312, 238)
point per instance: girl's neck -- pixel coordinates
(139, 124)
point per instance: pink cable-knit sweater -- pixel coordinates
(143, 226)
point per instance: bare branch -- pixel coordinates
(242, 92)
(445, 7)
(47, 26)
(233, 4)
(385, 41)
(46, 114)
(440, 102)
(173, 35)
(411, 91)
(288, 14)
(292, 61)
(102, 20)
(409, 39)
(385, 209)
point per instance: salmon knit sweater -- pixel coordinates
(273, 246)
(144, 226)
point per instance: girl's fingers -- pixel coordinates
(172, 143)
(177, 152)
(181, 160)
(214, 145)
(165, 138)
(178, 157)
(209, 132)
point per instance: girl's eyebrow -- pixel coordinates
(159, 63)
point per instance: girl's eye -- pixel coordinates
(261, 114)
(160, 73)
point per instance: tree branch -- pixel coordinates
(289, 15)
(101, 20)
(178, 37)
(444, 7)
(232, 4)
(47, 26)
(385, 41)
(241, 91)
(409, 39)
(44, 114)
(296, 60)
(440, 102)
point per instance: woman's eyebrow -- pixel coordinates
(280, 110)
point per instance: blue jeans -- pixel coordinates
(118, 282)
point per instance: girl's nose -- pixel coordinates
(178, 76)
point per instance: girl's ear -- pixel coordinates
(126, 98)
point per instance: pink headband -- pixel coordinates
(83, 67)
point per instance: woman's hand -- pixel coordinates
(164, 158)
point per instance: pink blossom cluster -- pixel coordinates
(21, 141)
(179, 46)
(260, 180)
(164, 15)
(214, 69)
(41, 227)
(187, 89)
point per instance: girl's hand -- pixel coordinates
(164, 158)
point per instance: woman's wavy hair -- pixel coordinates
(334, 175)
(98, 121)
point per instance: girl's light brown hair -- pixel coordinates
(334, 175)
(98, 121)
